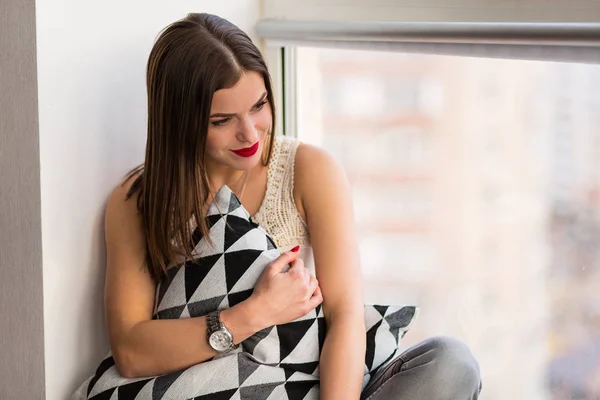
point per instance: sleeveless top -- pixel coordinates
(278, 214)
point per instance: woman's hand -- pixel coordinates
(282, 295)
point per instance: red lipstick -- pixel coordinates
(248, 151)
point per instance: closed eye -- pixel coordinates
(226, 118)
(260, 105)
(221, 122)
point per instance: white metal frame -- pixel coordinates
(566, 42)
(290, 122)
(517, 33)
(282, 65)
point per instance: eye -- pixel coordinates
(260, 106)
(220, 122)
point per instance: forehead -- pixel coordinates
(246, 92)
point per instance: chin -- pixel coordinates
(238, 163)
(249, 162)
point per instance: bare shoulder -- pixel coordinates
(315, 168)
(318, 179)
(119, 197)
(122, 217)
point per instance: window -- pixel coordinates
(476, 180)
(477, 193)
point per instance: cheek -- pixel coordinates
(219, 138)
(211, 141)
(214, 144)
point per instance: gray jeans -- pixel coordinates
(439, 368)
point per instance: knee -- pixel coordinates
(453, 366)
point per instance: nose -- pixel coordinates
(247, 132)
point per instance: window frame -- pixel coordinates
(577, 42)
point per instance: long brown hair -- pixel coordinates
(191, 59)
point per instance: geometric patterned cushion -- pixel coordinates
(385, 325)
(279, 362)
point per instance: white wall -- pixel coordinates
(91, 75)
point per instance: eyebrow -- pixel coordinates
(222, 115)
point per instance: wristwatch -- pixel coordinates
(219, 337)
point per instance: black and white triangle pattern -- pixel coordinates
(280, 362)
(226, 266)
(385, 325)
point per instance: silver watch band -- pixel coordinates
(214, 324)
(213, 321)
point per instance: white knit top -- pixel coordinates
(278, 214)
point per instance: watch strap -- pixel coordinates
(214, 323)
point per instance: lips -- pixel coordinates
(248, 151)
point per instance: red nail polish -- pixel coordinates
(295, 249)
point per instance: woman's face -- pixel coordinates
(240, 118)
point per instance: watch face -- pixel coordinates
(220, 341)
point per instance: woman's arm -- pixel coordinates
(142, 346)
(323, 195)
(145, 347)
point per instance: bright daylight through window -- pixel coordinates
(477, 195)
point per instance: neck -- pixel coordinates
(234, 179)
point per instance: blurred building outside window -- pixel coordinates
(476, 186)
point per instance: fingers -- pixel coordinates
(317, 291)
(281, 263)
(297, 271)
(316, 299)
(298, 263)
(313, 285)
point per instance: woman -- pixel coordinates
(210, 123)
